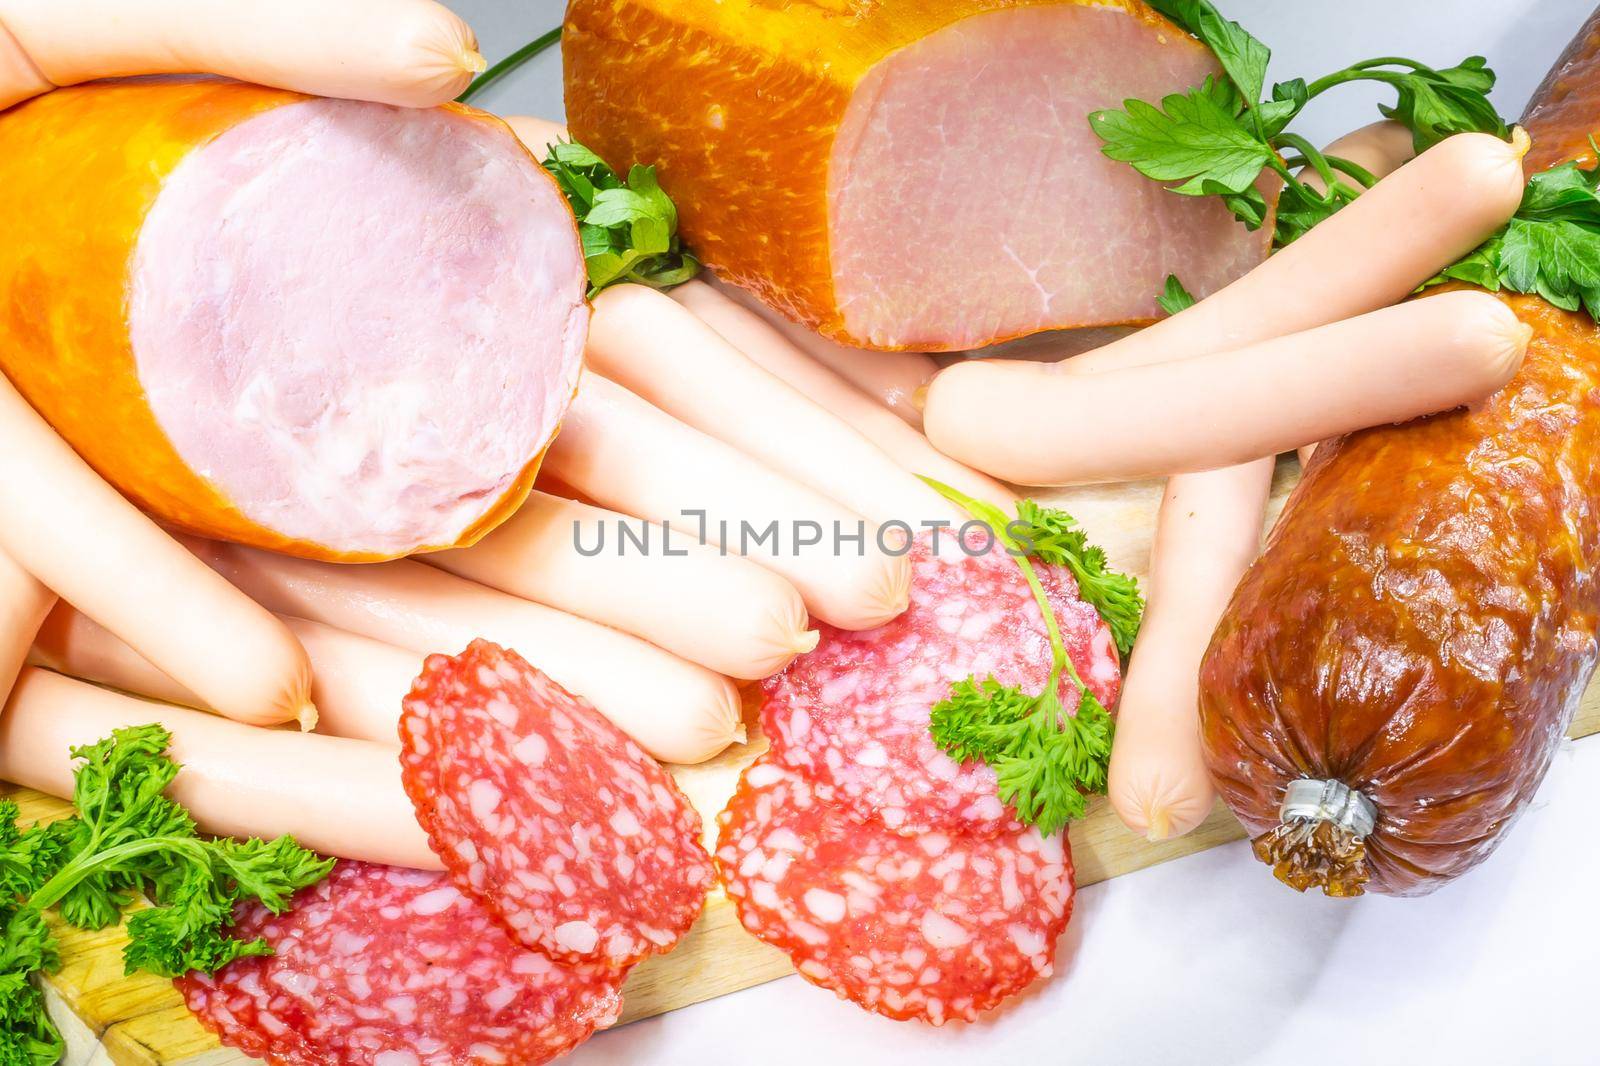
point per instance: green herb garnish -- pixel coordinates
(629, 228)
(1218, 138)
(1053, 537)
(1174, 297)
(127, 838)
(1046, 761)
(1551, 246)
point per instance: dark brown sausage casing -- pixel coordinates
(1387, 688)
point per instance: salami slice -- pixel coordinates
(935, 926)
(389, 967)
(547, 813)
(853, 714)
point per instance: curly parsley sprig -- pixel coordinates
(127, 838)
(1219, 138)
(1046, 761)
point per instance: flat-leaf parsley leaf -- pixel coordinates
(1221, 138)
(629, 228)
(1551, 246)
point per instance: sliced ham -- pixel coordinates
(899, 175)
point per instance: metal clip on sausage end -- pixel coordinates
(1319, 840)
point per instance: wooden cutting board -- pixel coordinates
(141, 1021)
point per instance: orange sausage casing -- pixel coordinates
(1393, 676)
(85, 170)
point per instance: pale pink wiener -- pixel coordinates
(676, 710)
(663, 353)
(357, 682)
(413, 53)
(1228, 407)
(24, 605)
(769, 348)
(894, 379)
(1382, 148)
(631, 457)
(721, 611)
(340, 797)
(537, 135)
(1208, 532)
(1428, 213)
(72, 532)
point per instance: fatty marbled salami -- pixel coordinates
(934, 926)
(853, 714)
(379, 965)
(547, 813)
(1386, 690)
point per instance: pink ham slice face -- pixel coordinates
(360, 322)
(969, 201)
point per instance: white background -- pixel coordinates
(1207, 959)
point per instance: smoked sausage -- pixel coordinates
(1390, 681)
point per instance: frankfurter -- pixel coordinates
(770, 349)
(1380, 148)
(72, 532)
(894, 379)
(1441, 581)
(537, 135)
(413, 53)
(24, 605)
(1349, 265)
(1382, 367)
(337, 796)
(245, 359)
(1207, 532)
(662, 353)
(357, 682)
(677, 711)
(625, 454)
(721, 611)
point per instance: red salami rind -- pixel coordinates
(389, 967)
(853, 714)
(933, 927)
(547, 813)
